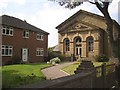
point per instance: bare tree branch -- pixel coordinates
(91, 2)
(106, 4)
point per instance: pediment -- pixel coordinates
(90, 18)
(77, 26)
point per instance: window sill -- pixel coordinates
(39, 55)
(26, 37)
(40, 39)
(6, 55)
(7, 35)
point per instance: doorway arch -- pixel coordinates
(78, 47)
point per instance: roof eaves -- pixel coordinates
(16, 22)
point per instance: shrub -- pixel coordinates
(101, 58)
(55, 60)
(52, 55)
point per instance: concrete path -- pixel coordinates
(55, 71)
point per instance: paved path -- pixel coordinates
(55, 71)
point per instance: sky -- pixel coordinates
(46, 14)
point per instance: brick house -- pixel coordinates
(84, 34)
(22, 41)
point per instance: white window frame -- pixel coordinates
(39, 52)
(26, 34)
(10, 29)
(9, 49)
(39, 36)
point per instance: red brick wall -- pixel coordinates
(18, 42)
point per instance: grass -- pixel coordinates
(22, 74)
(71, 68)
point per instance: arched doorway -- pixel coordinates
(78, 47)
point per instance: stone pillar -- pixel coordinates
(96, 48)
(72, 47)
(84, 49)
(61, 48)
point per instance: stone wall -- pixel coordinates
(83, 35)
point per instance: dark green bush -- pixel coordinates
(101, 58)
(52, 55)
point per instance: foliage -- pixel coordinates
(101, 58)
(22, 74)
(52, 54)
(51, 49)
(55, 60)
(74, 3)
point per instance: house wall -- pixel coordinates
(18, 42)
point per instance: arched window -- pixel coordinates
(66, 45)
(90, 44)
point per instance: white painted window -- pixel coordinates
(39, 51)
(26, 34)
(6, 30)
(7, 50)
(39, 36)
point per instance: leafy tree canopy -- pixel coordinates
(74, 3)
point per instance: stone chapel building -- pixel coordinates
(83, 35)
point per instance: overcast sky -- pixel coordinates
(46, 15)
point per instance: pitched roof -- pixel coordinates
(76, 14)
(15, 22)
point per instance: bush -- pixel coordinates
(55, 60)
(102, 58)
(52, 55)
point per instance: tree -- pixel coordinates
(102, 5)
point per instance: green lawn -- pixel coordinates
(71, 68)
(22, 74)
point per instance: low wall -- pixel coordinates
(84, 78)
(80, 80)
